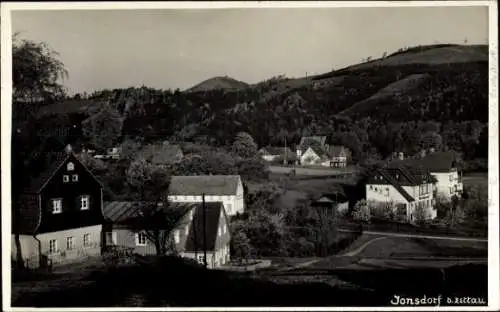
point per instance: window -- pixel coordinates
(56, 205)
(65, 178)
(224, 229)
(176, 237)
(371, 187)
(111, 238)
(69, 243)
(186, 230)
(386, 191)
(140, 239)
(70, 166)
(201, 259)
(52, 246)
(84, 202)
(86, 240)
(376, 189)
(229, 208)
(75, 178)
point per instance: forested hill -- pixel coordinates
(367, 103)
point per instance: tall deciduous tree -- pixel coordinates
(104, 128)
(244, 145)
(36, 72)
(154, 216)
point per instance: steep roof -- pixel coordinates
(122, 211)
(213, 213)
(434, 162)
(206, 184)
(396, 184)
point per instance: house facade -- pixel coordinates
(187, 239)
(443, 166)
(410, 190)
(227, 189)
(58, 216)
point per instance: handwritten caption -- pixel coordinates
(436, 301)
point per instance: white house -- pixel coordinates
(227, 189)
(408, 189)
(329, 156)
(443, 166)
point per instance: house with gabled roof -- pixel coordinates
(227, 189)
(329, 156)
(443, 166)
(408, 188)
(57, 215)
(204, 229)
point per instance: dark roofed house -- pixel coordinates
(408, 188)
(57, 211)
(217, 235)
(225, 188)
(444, 166)
(188, 236)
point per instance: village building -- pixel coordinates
(443, 166)
(331, 156)
(408, 189)
(191, 238)
(57, 216)
(227, 189)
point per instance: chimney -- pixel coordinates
(401, 156)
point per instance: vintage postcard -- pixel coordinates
(250, 155)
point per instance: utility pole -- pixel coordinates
(204, 230)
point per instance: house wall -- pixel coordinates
(448, 184)
(388, 193)
(31, 248)
(270, 157)
(232, 203)
(71, 216)
(309, 157)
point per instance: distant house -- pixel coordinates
(407, 188)
(187, 239)
(162, 154)
(58, 216)
(225, 188)
(278, 154)
(330, 156)
(110, 153)
(443, 166)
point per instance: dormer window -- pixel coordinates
(65, 178)
(56, 205)
(74, 178)
(70, 166)
(84, 202)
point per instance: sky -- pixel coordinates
(169, 49)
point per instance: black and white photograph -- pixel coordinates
(336, 155)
